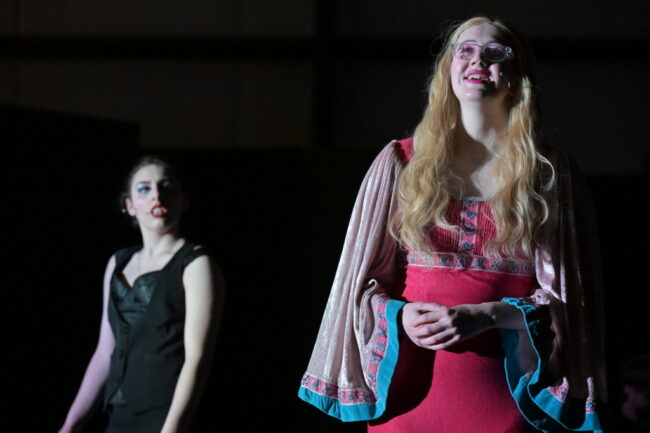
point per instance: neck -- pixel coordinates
(480, 124)
(154, 243)
(475, 152)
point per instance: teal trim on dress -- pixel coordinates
(538, 405)
(365, 411)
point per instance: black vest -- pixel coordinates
(149, 353)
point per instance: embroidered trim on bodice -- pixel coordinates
(466, 253)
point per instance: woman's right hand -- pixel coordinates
(411, 320)
(437, 327)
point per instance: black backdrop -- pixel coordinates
(274, 220)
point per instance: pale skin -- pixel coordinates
(204, 292)
(483, 115)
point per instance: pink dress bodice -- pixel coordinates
(462, 389)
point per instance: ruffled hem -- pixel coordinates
(354, 404)
(546, 408)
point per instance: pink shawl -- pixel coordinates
(556, 380)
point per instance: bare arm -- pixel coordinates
(97, 371)
(434, 326)
(204, 294)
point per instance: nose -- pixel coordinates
(477, 58)
(154, 194)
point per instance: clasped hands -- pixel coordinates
(435, 326)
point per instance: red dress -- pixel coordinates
(462, 389)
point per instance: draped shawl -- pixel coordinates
(555, 367)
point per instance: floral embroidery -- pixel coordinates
(380, 345)
(468, 222)
(346, 396)
(590, 406)
(559, 391)
(470, 262)
(357, 396)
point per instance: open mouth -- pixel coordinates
(477, 77)
(158, 211)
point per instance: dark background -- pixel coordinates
(273, 111)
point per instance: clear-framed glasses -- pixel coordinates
(493, 53)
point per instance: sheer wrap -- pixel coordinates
(357, 345)
(556, 367)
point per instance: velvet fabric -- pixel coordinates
(555, 368)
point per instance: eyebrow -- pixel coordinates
(476, 42)
(148, 182)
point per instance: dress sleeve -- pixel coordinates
(357, 345)
(556, 367)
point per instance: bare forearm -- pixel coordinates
(89, 392)
(498, 314)
(188, 391)
(203, 300)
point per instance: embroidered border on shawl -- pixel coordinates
(379, 351)
(590, 406)
(357, 396)
(326, 389)
(561, 391)
(545, 408)
(470, 262)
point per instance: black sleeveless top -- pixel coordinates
(147, 321)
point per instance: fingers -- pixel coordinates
(427, 330)
(434, 330)
(440, 340)
(430, 325)
(441, 313)
(424, 307)
(425, 318)
(445, 344)
(419, 313)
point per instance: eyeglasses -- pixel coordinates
(493, 53)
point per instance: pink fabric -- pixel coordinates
(462, 389)
(345, 351)
(566, 266)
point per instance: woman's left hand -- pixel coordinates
(446, 326)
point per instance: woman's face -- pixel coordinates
(478, 79)
(155, 200)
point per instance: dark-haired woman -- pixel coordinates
(467, 297)
(162, 305)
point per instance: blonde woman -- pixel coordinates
(467, 295)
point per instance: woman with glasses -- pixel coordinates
(162, 305)
(467, 296)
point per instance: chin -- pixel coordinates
(484, 96)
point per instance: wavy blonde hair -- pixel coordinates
(518, 208)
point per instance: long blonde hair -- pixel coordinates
(518, 207)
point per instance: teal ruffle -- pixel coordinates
(365, 411)
(536, 403)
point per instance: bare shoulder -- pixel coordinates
(203, 268)
(111, 262)
(110, 267)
